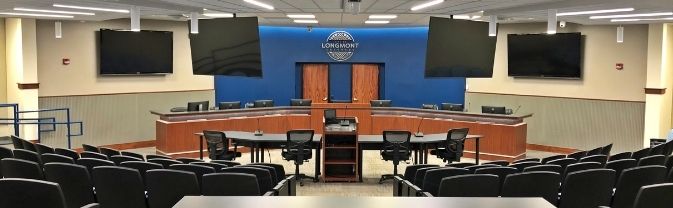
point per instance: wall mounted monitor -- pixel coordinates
(229, 105)
(452, 107)
(300, 102)
(493, 110)
(459, 48)
(227, 46)
(543, 55)
(381, 103)
(127, 52)
(262, 103)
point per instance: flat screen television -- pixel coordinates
(227, 46)
(543, 55)
(459, 48)
(144, 52)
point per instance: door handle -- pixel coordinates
(355, 99)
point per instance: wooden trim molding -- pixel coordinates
(655, 91)
(28, 86)
(545, 148)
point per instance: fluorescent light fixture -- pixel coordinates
(35, 15)
(51, 11)
(259, 4)
(426, 4)
(301, 16)
(636, 20)
(306, 21)
(382, 16)
(58, 32)
(377, 22)
(492, 26)
(135, 19)
(194, 23)
(92, 8)
(594, 12)
(551, 21)
(218, 15)
(620, 34)
(632, 15)
(463, 17)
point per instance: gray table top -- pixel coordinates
(358, 202)
(428, 138)
(250, 136)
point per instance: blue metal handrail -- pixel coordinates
(39, 121)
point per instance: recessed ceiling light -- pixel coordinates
(92, 8)
(51, 11)
(260, 4)
(35, 15)
(382, 16)
(636, 20)
(426, 4)
(218, 15)
(377, 22)
(632, 15)
(306, 21)
(301, 16)
(594, 12)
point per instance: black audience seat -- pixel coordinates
(109, 152)
(42, 149)
(548, 168)
(90, 148)
(595, 151)
(91, 163)
(119, 187)
(226, 162)
(410, 171)
(5, 153)
(16, 141)
(460, 165)
(22, 193)
(28, 145)
(131, 154)
(526, 160)
(216, 166)
(522, 165)
(50, 158)
(587, 188)
(74, 180)
(118, 159)
(27, 155)
(655, 196)
(67, 152)
(272, 171)
(630, 182)
(475, 185)
(149, 157)
(637, 155)
(230, 184)
(658, 150)
(619, 166)
(434, 177)
(533, 184)
(141, 166)
(263, 176)
(501, 172)
(550, 158)
(475, 167)
(166, 187)
(18, 168)
(564, 162)
(606, 149)
(602, 159)
(164, 162)
(581, 166)
(420, 175)
(280, 170)
(577, 155)
(620, 156)
(87, 154)
(198, 170)
(187, 160)
(497, 162)
(652, 160)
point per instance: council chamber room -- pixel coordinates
(336, 103)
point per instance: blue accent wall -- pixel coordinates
(400, 51)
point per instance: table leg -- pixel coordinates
(425, 154)
(262, 153)
(252, 153)
(360, 152)
(476, 157)
(201, 147)
(317, 163)
(415, 156)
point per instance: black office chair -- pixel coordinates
(164, 162)
(87, 154)
(547, 168)
(226, 162)
(658, 149)
(67, 152)
(550, 158)
(158, 157)
(141, 166)
(109, 152)
(218, 146)
(16, 141)
(199, 170)
(135, 155)
(42, 149)
(501, 172)
(564, 162)
(595, 151)
(90, 148)
(18, 168)
(187, 160)
(434, 177)
(655, 196)
(17, 192)
(532, 184)
(577, 155)
(118, 159)
(74, 180)
(263, 176)
(606, 149)
(242, 184)
(451, 150)
(396, 147)
(298, 149)
(526, 160)
(119, 187)
(460, 165)
(91, 163)
(27, 155)
(28, 145)
(497, 162)
(641, 153)
(602, 159)
(166, 187)
(524, 165)
(587, 188)
(216, 166)
(581, 166)
(652, 160)
(632, 179)
(475, 167)
(477, 185)
(620, 156)
(50, 158)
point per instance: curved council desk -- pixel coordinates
(503, 136)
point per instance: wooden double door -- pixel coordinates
(364, 83)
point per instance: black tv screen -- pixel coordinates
(143, 52)
(459, 48)
(543, 55)
(227, 46)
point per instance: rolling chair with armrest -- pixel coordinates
(218, 146)
(452, 149)
(298, 149)
(396, 147)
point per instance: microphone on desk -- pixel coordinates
(418, 129)
(258, 132)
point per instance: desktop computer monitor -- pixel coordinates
(452, 107)
(263, 103)
(330, 116)
(300, 102)
(229, 105)
(493, 110)
(381, 103)
(198, 106)
(428, 106)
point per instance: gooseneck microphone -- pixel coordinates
(258, 132)
(418, 129)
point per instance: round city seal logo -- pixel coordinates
(340, 46)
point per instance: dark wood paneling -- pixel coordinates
(28, 86)
(315, 78)
(125, 146)
(365, 82)
(655, 91)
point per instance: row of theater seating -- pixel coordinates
(132, 182)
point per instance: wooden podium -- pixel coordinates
(340, 147)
